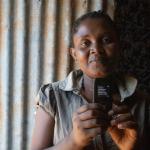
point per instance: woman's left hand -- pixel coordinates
(123, 128)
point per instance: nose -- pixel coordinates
(97, 48)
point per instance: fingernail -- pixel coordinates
(115, 106)
(114, 117)
(113, 122)
(120, 126)
(111, 112)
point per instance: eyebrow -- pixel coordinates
(85, 36)
(82, 35)
(88, 35)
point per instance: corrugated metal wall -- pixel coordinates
(34, 40)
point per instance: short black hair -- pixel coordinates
(91, 15)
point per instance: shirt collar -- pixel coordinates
(128, 88)
(74, 83)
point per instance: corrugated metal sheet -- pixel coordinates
(34, 41)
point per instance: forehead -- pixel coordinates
(94, 26)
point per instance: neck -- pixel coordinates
(88, 82)
(87, 90)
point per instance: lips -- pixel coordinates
(100, 59)
(93, 59)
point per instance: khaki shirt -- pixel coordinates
(61, 99)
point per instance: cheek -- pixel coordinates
(112, 50)
(82, 56)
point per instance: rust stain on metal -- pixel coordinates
(1, 114)
(18, 24)
(0, 27)
(54, 29)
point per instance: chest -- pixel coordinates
(67, 104)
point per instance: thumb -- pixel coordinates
(115, 133)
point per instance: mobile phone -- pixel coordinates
(103, 93)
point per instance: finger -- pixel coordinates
(90, 124)
(93, 123)
(90, 106)
(91, 114)
(93, 132)
(118, 110)
(128, 124)
(121, 118)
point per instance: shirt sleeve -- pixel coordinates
(46, 99)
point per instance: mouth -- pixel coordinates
(100, 60)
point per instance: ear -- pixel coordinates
(73, 53)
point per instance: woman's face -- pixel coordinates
(95, 48)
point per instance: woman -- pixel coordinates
(67, 118)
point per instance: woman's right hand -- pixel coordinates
(88, 121)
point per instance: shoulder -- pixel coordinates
(46, 97)
(49, 87)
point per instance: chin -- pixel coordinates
(98, 70)
(98, 74)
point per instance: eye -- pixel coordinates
(85, 43)
(107, 40)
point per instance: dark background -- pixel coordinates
(133, 21)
